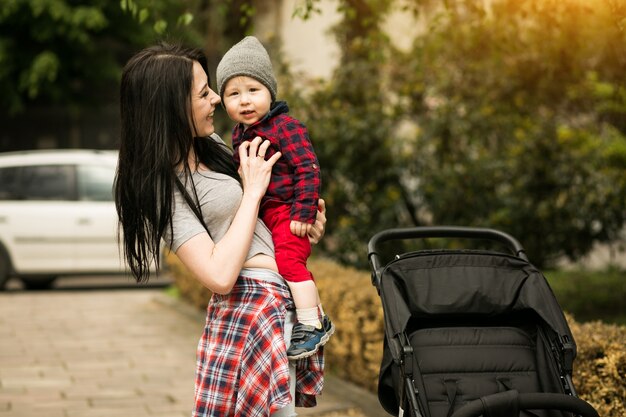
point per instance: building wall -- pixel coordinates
(306, 44)
(310, 47)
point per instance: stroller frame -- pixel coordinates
(398, 344)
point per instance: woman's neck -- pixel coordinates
(194, 162)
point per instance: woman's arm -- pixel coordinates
(217, 265)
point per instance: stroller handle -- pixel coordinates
(437, 231)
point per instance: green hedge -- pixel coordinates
(591, 295)
(355, 352)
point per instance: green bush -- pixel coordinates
(591, 295)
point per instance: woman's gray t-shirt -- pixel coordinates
(219, 196)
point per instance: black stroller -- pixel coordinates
(471, 332)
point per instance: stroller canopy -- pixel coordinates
(427, 284)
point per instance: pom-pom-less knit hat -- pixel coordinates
(248, 57)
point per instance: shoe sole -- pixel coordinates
(322, 342)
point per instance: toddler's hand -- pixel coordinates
(299, 228)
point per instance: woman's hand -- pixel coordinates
(254, 170)
(316, 233)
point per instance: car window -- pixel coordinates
(9, 183)
(45, 182)
(95, 183)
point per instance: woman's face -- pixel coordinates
(203, 102)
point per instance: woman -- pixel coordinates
(177, 181)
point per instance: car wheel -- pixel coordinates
(40, 283)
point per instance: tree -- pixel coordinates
(518, 111)
(70, 52)
(521, 110)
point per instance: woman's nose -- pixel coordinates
(215, 98)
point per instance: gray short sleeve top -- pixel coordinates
(219, 196)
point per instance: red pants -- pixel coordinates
(291, 251)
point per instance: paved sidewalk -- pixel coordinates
(116, 353)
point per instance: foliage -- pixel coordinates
(600, 367)
(305, 9)
(155, 13)
(70, 52)
(516, 116)
(591, 295)
(520, 110)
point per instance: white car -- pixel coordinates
(57, 215)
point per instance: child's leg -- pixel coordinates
(312, 330)
(292, 253)
(307, 301)
(304, 293)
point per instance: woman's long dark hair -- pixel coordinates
(156, 139)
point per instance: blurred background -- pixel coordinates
(508, 114)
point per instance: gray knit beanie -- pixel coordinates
(249, 58)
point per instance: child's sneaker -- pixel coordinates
(328, 325)
(306, 340)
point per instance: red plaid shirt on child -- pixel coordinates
(296, 175)
(242, 367)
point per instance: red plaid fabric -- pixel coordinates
(296, 175)
(242, 367)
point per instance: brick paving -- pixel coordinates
(115, 353)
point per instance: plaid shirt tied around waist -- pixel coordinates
(296, 175)
(242, 365)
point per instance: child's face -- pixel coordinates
(246, 100)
